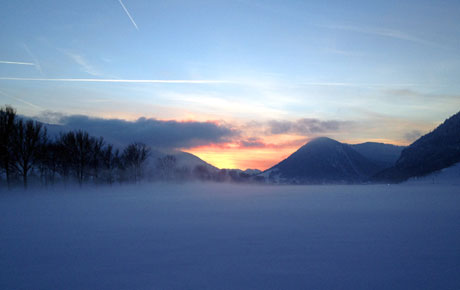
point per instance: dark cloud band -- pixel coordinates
(153, 132)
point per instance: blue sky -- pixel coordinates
(389, 67)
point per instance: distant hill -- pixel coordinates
(385, 155)
(252, 171)
(248, 171)
(185, 159)
(431, 152)
(323, 160)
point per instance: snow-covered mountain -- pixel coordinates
(432, 152)
(323, 160)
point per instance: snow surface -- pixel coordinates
(212, 236)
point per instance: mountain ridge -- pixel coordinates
(323, 160)
(434, 151)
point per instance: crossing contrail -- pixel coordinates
(127, 13)
(36, 63)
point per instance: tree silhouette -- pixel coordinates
(111, 162)
(96, 156)
(166, 166)
(133, 159)
(78, 146)
(27, 141)
(7, 128)
(201, 172)
(49, 161)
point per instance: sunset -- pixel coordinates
(243, 65)
(229, 144)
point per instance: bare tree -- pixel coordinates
(96, 156)
(7, 128)
(134, 157)
(42, 159)
(63, 157)
(49, 161)
(166, 166)
(78, 147)
(27, 142)
(202, 172)
(111, 162)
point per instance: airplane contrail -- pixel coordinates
(116, 81)
(129, 15)
(338, 84)
(16, 62)
(20, 100)
(321, 84)
(396, 34)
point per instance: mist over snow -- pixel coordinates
(445, 176)
(217, 236)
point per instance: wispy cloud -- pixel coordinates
(412, 135)
(129, 15)
(83, 63)
(222, 105)
(116, 81)
(16, 62)
(384, 32)
(20, 100)
(415, 95)
(294, 83)
(341, 52)
(307, 126)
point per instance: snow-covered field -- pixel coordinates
(214, 236)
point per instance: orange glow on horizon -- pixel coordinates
(263, 154)
(242, 158)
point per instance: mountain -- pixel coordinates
(323, 160)
(250, 171)
(432, 152)
(185, 159)
(384, 155)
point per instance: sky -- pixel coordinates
(241, 84)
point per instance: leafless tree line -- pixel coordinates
(26, 150)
